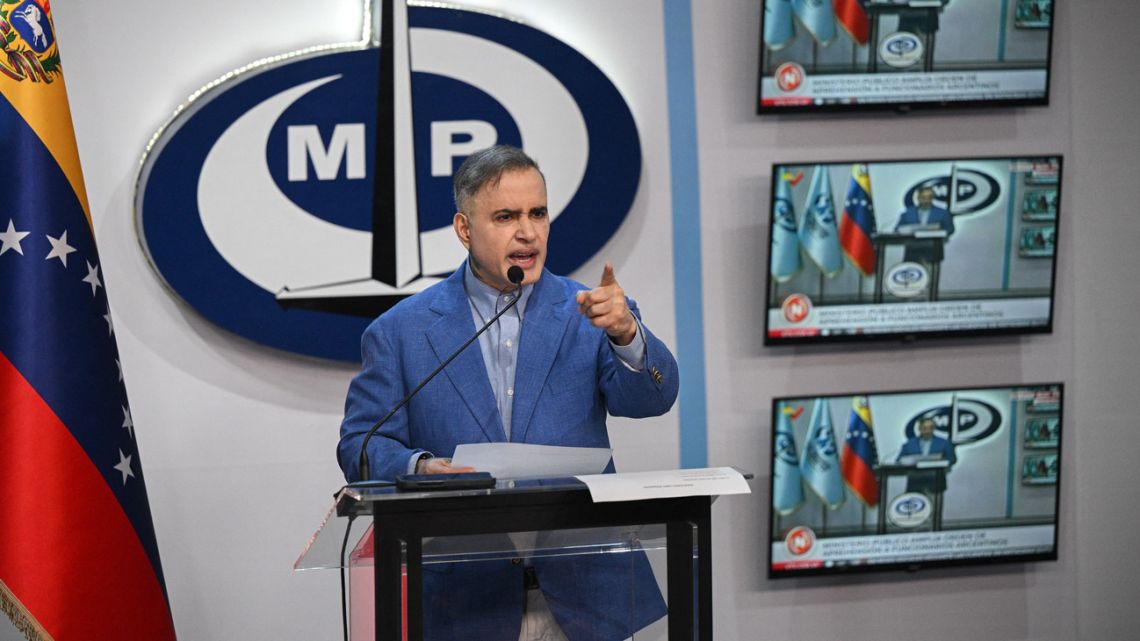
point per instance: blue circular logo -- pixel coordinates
(907, 280)
(910, 505)
(902, 45)
(901, 49)
(974, 192)
(259, 193)
(909, 510)
(976, 421)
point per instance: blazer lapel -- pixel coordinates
(467, 373)
(543, 326)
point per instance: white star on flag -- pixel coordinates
(92, 277)
(107, 317)
(127, 422)
(11, 239)
(59, 248)
(124, 466)
(119, 366)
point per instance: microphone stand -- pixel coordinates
(515, 275)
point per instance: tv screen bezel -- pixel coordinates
(910, 336)
(913, 566)
(901, 107)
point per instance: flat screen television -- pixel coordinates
(836, 55)
(912, 248)
(906, 480)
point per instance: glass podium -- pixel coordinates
(421, 561)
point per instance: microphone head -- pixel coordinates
(515, 275)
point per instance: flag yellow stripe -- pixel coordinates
(44, 107)
(863, 178)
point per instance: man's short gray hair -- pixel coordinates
(487, 167)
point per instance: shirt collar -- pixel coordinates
(486, 299)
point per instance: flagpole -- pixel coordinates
(952, 200)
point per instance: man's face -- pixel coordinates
(507, 225)
(925, 198)
(926, 429)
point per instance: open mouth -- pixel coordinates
(524, 259)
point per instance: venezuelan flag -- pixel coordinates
(852, 16)
(860, 455)
(78, 558)
(857, 224)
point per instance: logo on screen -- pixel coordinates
(789, 77)
(974, 192)
(976, 421)
(796, 308)
(786, 448)
(908, 510)
(907, 280)
(255, 203)
(800, 540)
(901, 49)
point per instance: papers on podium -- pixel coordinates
(924, 461)
(528, 461)
(922, 231)
(633, 486)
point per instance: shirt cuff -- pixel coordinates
(415, 459)
(632, 355)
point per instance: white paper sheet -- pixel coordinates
(706, 481)
(527, 461)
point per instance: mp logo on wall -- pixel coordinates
(298, 198)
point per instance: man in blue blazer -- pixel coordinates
(927, 444)
(926, 214)
(547, 372)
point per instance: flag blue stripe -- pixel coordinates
(685, 174)
(52, 327)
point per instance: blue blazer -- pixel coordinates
(567, 379)
(938, 216)
(938, 445)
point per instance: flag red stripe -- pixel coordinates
(857, 245)
(851, 15)
(69, 554)
(859, 477)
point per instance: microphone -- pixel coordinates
(515, 275)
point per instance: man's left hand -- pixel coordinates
(606, 307)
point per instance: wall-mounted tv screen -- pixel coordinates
(904, 480)
(897, 54)
(910, 249)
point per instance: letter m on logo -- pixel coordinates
(346, 147)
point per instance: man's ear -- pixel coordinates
(462, 225)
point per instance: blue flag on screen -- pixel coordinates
(819, 234)
(818, 17)
(820, 463)
(787, 488)
(778, 27)
(786, 261)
